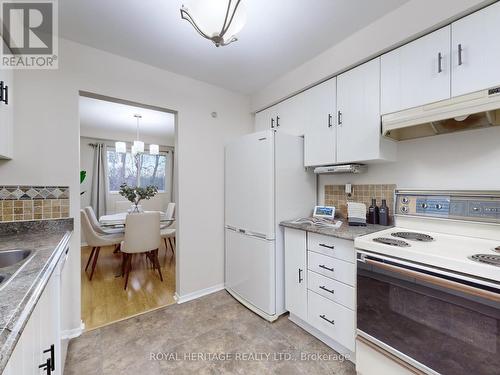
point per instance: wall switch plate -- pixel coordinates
(348, 188)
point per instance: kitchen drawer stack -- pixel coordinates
(324, 296)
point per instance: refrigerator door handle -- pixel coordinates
(256, 234)
(231, 228)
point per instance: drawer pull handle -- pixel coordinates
(327, 290)
(327, 246)
(328, 320)
(300, 276)
(326, 268)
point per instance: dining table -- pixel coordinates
(118, 219)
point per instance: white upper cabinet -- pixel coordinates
(476, 51)
(320, 114)
(417, 73)
(358, 105)
(6, 115)
(287, 116)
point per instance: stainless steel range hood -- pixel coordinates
(472, 111)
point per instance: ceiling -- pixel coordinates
(279, 35)
(103, 117)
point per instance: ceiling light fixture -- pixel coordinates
(138, 145)
(216, 20)
(154, 149)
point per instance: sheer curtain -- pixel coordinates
(99, 184)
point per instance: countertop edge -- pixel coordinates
(31, 299)
(345, 232)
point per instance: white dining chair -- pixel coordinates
(97, 226)
(96, 240)
(142, 235)
(170, 212)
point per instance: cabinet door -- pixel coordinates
(264, 120)
(289, 115)
(417, 73)
(476, 51)
(296, 272)
(6, 116)
(358, 103)
(320, 116)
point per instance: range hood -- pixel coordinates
(346, 168)
(480, 109)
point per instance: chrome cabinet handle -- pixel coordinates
(327, 290)
(326, 268)
(300, 276)
(4, 93)
(339, 117)
(330, 117)
(272, 123)
(277, 121)
(323, 316)
(327, 246)
(460, 49)
(440, 59)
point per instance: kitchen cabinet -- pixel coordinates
(287, 116)
(358, 110)
(6, 115)
(475, 43)
(295, 272)
(322, 299)
(40, 341)
(417, 73)
(320, 140)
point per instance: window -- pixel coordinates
(123, 167)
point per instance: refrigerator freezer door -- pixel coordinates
(250, 270)
(249, 184)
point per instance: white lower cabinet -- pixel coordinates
(40, 345)
(323, 297)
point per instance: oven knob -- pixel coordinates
(424, 205)
(405, 200)
(439, 206)
(404, 209)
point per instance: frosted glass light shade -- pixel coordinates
(154, 149)
(209, 16)
(121, 147)
(139, 146)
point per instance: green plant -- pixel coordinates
(135, 194)
(83, 174)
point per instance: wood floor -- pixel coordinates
(104, 300)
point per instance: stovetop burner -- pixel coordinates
(413, 236)
(391, 242)
(497, 249)
(493, 260)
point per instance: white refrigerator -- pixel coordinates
(265, 183)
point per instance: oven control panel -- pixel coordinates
(475, 206)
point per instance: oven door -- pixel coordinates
(439, 322)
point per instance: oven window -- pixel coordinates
(450, 332)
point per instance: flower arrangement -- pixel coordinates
(135, 194)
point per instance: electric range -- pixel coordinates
(428, 290)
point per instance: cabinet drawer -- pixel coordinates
(334, 320)
(333, 268)
(331, 289)
(333, 247)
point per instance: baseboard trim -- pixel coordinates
(339, 348)
(199, 293)
(69, 334)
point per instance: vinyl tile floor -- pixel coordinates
(214, 334)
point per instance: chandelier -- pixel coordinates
(216, 20)
(138, 145)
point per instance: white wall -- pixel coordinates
(46, 146)
(468, 160)
(411, 19)
(124, 136)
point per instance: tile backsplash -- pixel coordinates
(335, 196)
(19, 203)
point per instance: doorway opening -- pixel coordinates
(127, 167)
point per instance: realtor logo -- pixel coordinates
(29, 31)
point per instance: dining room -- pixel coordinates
(128, 209)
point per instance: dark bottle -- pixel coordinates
(383, 214)
(373, 212)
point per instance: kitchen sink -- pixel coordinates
(11, 257)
